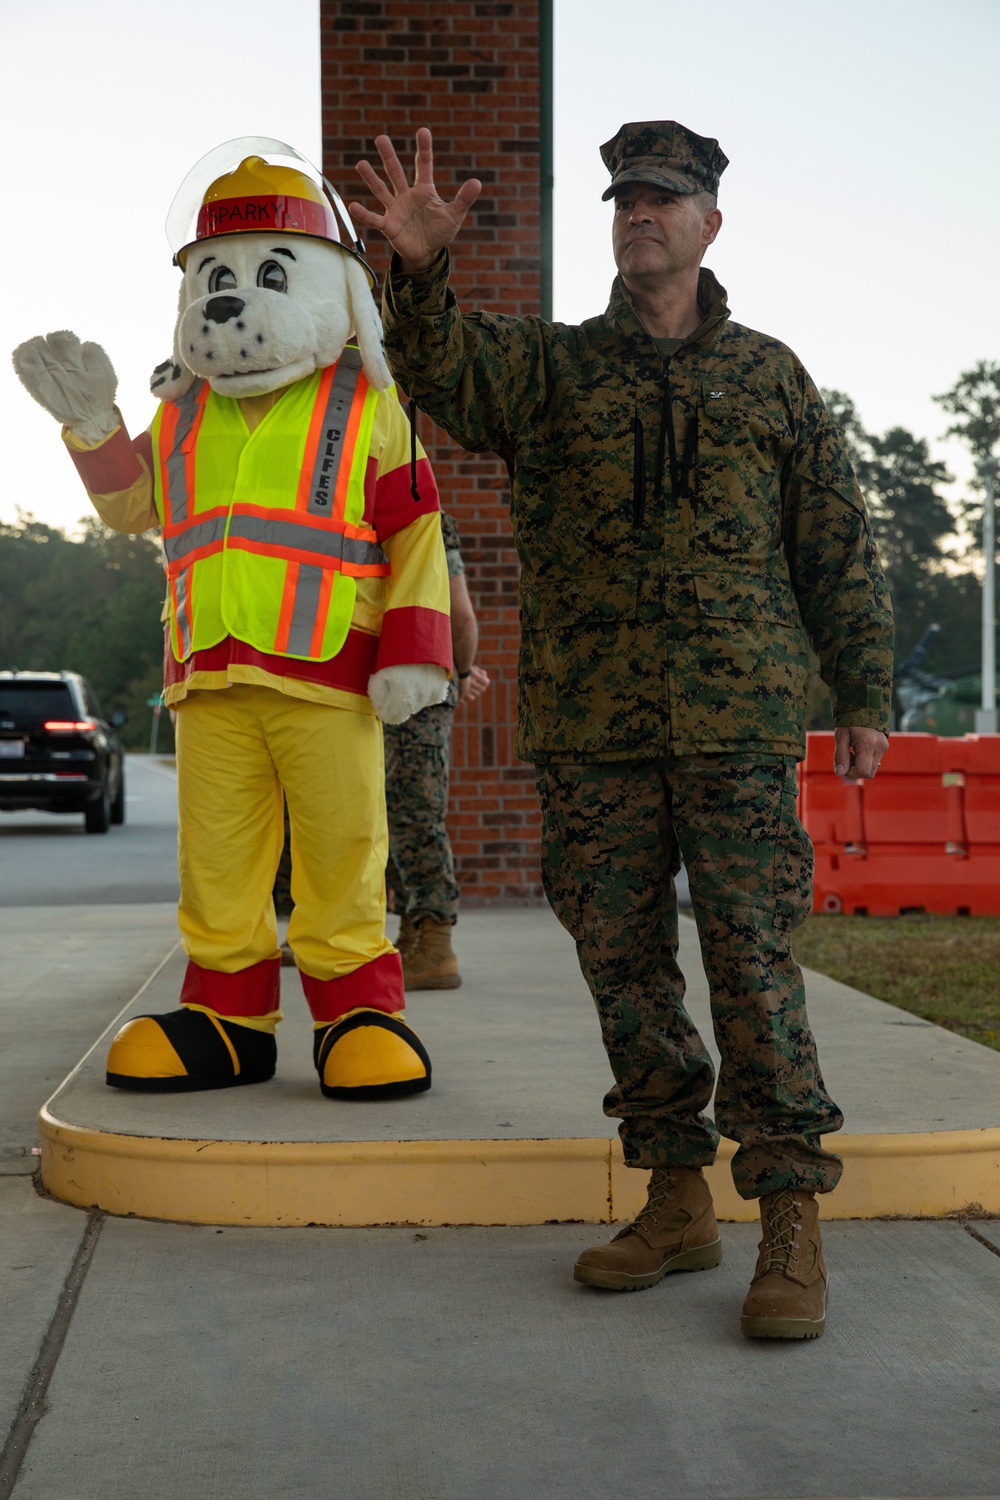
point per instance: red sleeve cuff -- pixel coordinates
(393, 506)
(113, 466)
(415, 636)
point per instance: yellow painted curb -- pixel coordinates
(323, 1182)
(919, 1175)
(287, 1183)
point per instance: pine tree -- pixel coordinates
(911, 520)
(974, 400)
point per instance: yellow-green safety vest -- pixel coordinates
(264, 531)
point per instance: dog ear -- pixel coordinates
(172, 378)
(367, 325)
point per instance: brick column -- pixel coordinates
(470, 71)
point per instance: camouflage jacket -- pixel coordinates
(686, 529)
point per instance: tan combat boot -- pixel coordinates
(676, 1231)
(406, 937)
(787, 1297)
(430, 963)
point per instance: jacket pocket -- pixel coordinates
(747, 596)
(562, 603)
(591, 676)
(739, 677)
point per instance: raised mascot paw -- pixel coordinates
(74, 382)
(397, 693)
(185, 1050)
(370, 1055)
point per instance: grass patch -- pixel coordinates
(946, 969)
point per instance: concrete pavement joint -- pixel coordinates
(32, 1407)
(116, 1020)
(994, 1250)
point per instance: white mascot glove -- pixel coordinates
(397, 693)
(75, 383)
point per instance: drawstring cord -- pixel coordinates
(680, 473)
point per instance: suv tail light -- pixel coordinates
(68, 726)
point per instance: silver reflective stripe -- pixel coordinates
(180, 606)
(198, 534)
(177, 494)
(274, 533)
(330, 450)
(305, 611)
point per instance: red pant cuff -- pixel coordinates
(377, 985)
(255, 991)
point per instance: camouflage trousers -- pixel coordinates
(420, 872)
(613, 835)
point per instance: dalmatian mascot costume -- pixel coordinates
(307, 599)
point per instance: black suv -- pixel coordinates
(58, 749)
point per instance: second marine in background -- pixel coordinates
(421, 871)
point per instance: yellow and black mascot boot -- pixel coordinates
(367, 1054)
(184, 1050)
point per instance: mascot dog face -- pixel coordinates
(261, 310)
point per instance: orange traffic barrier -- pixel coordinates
(923, 836)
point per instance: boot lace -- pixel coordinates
(659, 1194)
(783, 1219)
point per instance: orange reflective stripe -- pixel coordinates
(178, 438)
(331, 445)
(361, 532)
(287, 608)
(169, 417)
(281, 534)
(187, 541)
(322, 610)
(180, 590)
(322, 525)
(350, 443)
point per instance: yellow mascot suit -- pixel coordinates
(307, 598)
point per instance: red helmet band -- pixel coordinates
(240, 215)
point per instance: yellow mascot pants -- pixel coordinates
(237, 749)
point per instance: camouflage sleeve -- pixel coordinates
(480, 377)
(452, 545)
(835, 570)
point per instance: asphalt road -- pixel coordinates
(48, 860)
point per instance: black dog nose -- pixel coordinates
(221, 309)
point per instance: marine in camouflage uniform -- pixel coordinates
(421, 872)
(688, 524)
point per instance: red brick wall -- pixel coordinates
(468, 70)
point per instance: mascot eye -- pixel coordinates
(272, 276)
(221, 279)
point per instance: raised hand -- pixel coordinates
(417, 222)
(74, 382)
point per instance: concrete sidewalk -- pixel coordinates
(429, 1363)
(512, 1131)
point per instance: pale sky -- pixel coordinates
(861, 207)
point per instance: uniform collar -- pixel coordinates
(621, 313)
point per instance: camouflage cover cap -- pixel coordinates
(665, 154)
